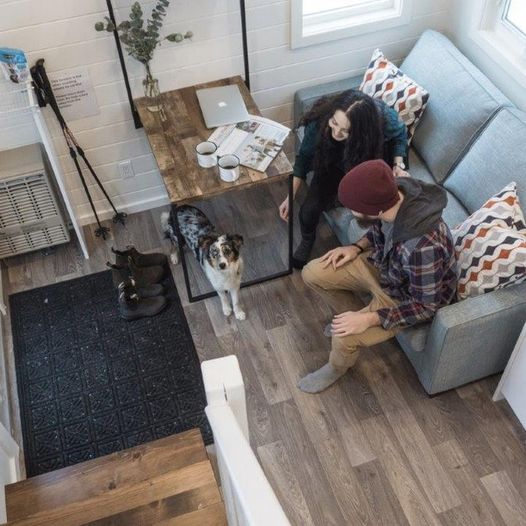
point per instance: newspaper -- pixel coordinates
(256, 142)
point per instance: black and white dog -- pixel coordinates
(218, 254)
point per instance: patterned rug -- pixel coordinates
(90, 383)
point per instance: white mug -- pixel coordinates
(206, 154)
(229, 168)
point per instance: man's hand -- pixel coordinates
(338, 257)
(350, 322)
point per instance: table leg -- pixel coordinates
(182, 258)
(291, 221)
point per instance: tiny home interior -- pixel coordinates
(263, 262)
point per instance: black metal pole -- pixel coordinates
(245, 44)
(135, 113)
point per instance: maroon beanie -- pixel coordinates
(369, 188)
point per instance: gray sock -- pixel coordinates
(321, 379)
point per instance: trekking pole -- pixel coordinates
(45, 94)
(100, 231)
(119, 217)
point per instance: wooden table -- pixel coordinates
(173, 143)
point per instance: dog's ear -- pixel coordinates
(237, 240)
(204, 242)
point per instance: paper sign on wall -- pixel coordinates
(74, 93)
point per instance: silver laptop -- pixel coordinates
(222, 105)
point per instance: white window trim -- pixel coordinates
(499, 40)
(350, 22)
(518, 34)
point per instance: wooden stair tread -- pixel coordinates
(165, 478)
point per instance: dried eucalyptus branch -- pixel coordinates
(140, 41)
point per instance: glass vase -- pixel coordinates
(154, 101)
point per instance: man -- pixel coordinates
(406, 261)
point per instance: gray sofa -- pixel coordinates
(472, 141)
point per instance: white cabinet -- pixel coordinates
(512, 385)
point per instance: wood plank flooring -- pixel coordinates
(373, 449)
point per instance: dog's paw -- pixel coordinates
(174, 258)
(240, 315)
(227, 311)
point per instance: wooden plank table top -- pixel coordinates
(173, 144)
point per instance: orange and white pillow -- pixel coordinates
(490, 245)
(383, 80)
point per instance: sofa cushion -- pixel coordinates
(491, 246)
(462, 100)
(342, 223)
(383, 80)
(414, 338)
(454, 213)
(497, 157)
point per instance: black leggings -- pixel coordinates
(319, 197)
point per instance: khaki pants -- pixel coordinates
(356, 276)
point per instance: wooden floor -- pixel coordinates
(373, 449)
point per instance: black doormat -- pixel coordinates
(90, 383)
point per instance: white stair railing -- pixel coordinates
(249, 498)
(9, 467)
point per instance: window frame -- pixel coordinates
(502, 43)
(507, 23)
(346, 22)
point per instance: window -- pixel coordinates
(315, 21)
(501, 33)
(514, 16)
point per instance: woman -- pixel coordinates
(340, 132)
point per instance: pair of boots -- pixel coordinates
(137, 277)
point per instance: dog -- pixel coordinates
(218, 254)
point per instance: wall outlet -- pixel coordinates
(126, 169)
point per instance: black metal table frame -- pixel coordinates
(181, 243)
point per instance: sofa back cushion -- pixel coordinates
(497, 157)
(461, 101)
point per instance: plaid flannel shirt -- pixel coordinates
(420, 273)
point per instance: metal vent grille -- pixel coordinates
(30, 218)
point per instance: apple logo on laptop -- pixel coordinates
(222, 104)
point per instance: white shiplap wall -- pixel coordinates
(61, 32)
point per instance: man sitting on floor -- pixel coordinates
(406, 261)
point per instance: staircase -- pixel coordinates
(167, 482)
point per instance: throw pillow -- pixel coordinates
(383, 80)
(490, 245)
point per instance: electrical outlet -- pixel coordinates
(126, 169)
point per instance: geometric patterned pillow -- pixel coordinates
(490, 246)
(383, 80)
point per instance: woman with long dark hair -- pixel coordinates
(341, 132)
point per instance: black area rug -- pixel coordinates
(90, 383)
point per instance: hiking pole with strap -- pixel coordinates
(45, 95)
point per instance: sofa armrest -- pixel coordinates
(471, 339)
(306, 97)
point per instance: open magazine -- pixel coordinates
(256, 142)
